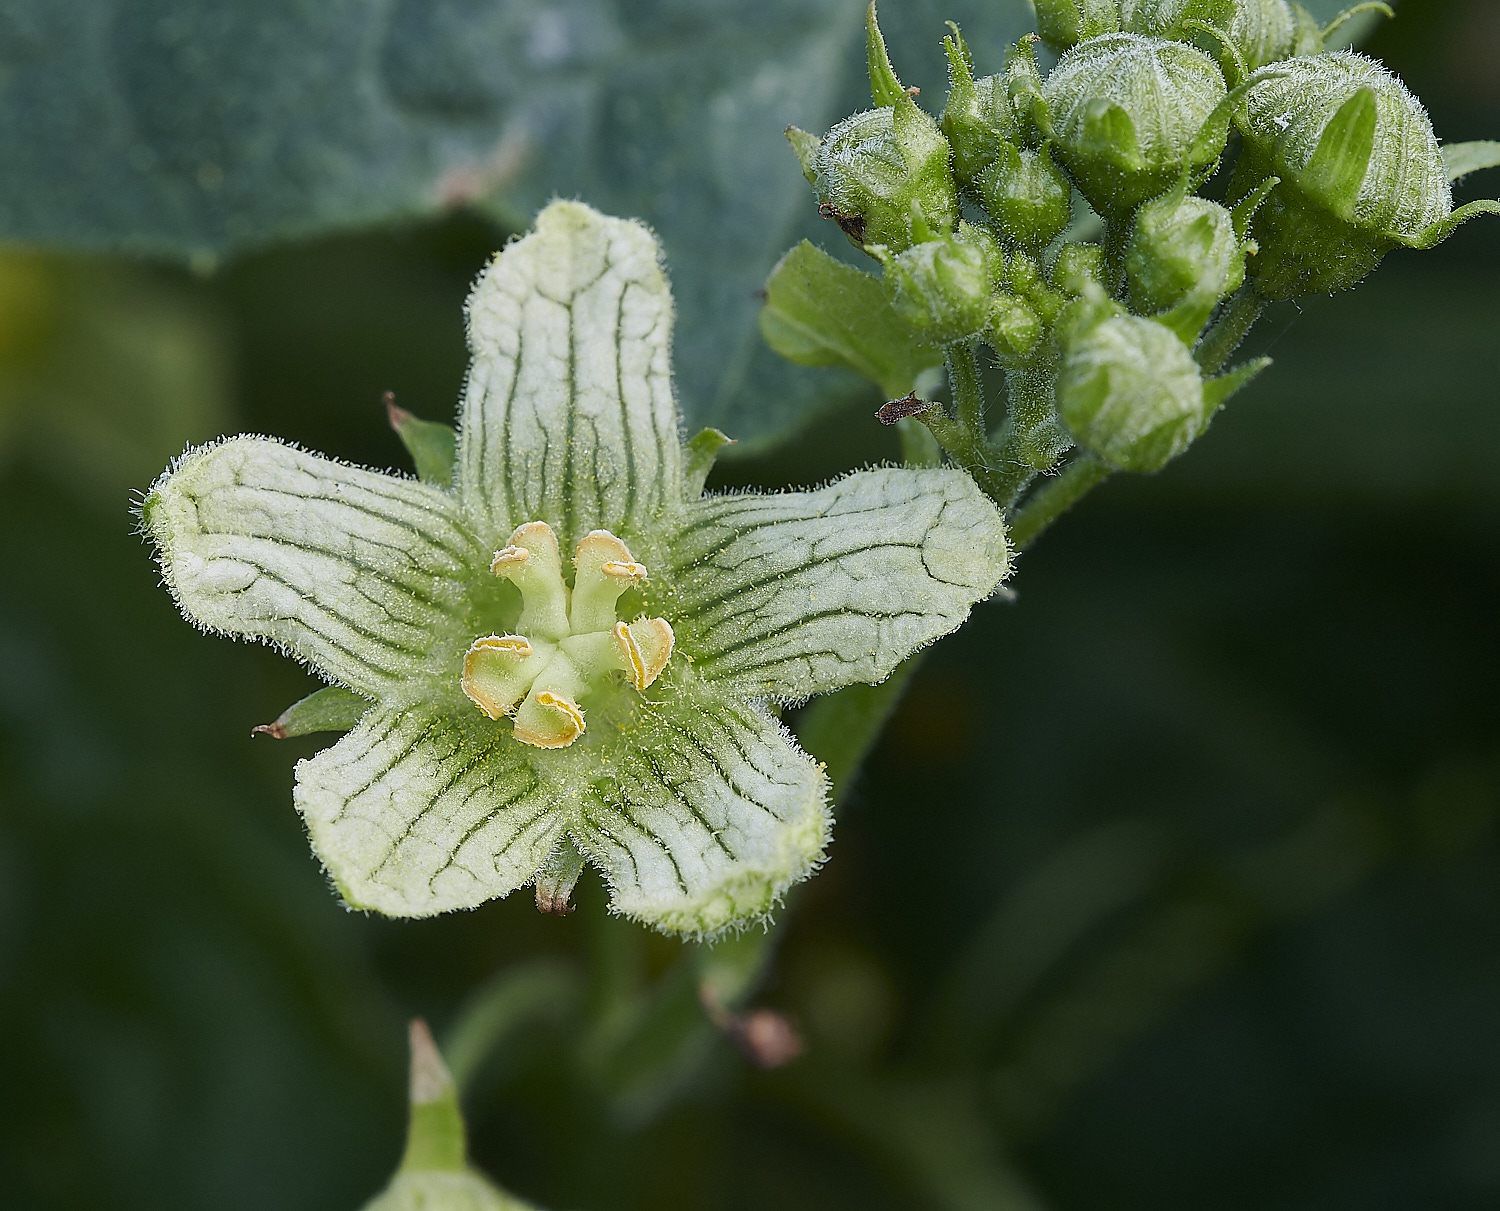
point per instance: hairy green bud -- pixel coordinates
(1128, 116)
(1065, 23)
(942, 288)
(1014, 329)
(1077, 267)
(1262, 31)
(1130, 392)
(978, 118)
(1361, 173)
(1027, 195)
(1183, 253)
(883, 175)
(1023, 83)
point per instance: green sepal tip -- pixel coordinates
(433, 447)
(1460, 159)
(885, 87)
(1338, 23)
(331, 709)
(699, 457)
(806, 147)
(1338, 165)
(1216, 391)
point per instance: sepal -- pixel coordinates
(435, 1174)
(1460, 159)
(699, 457)
(433, 447)
(331, 709)
(978, 117)
(822, 312)
(805, 146)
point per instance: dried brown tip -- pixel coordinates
(396, 416)
(554, 902)
(764, 1037)
(274, 730)
(900, 409)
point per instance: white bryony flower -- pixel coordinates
(518, 713)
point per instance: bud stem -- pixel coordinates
(1220, 341)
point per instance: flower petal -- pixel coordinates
(799, 593)
(353, 571)
(568, 414)
(707, 815)
(416, 813)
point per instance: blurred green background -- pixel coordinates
(1173, 883)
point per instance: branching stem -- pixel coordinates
(1056, 497)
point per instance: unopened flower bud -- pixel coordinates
(1182, 248)
(1242, 34)
(1014, 329)
(1026, 195)
(1263, 31)
(1064, 23)
(1131, 393)
(942, 288)
(883, 175)
(1128, 114)
(1077, 267)
(1361, 173)
(1023, 83)
(978, 117)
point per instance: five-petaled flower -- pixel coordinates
(516, 723)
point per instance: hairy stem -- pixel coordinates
(1220, 341)
(1056, 497)
(968, 393)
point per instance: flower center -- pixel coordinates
(568, 641)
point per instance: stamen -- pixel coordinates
(647, 646)
(605, 570)
(559, 728)
(498, 670)
(533, 564)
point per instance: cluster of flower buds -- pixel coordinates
(1056, 217)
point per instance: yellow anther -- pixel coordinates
(646, 645)
(632, 653)
(633, 572)
(514, 645)
(507, 558)
(556, 723)
(498, 670)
